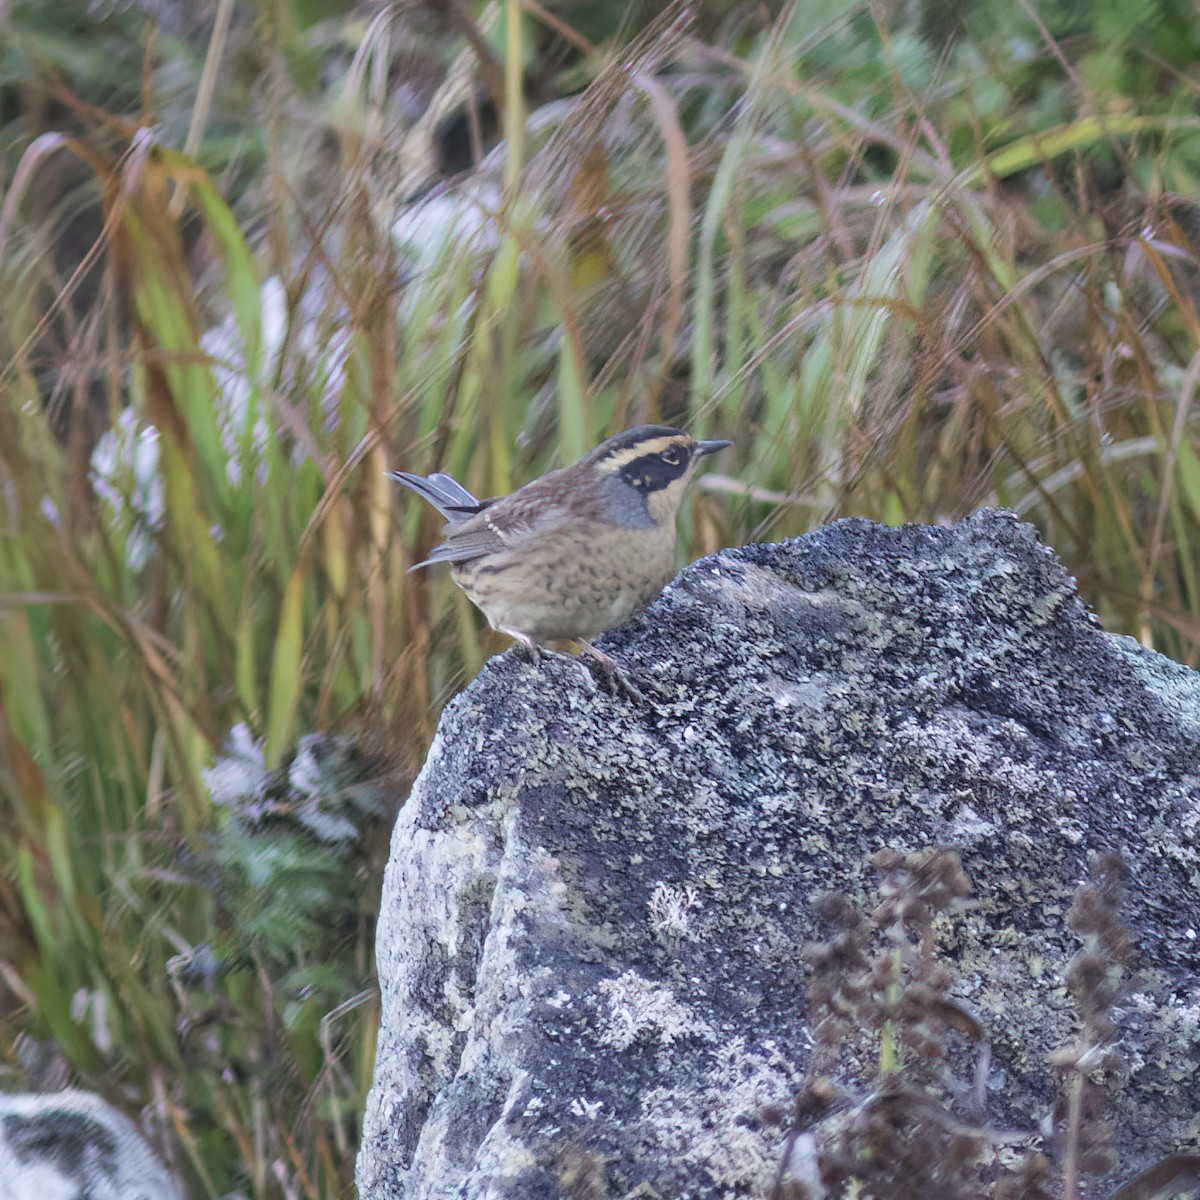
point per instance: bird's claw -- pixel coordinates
(618, 681)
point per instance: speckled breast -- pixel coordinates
(553, 591)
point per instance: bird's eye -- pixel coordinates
(672, 455)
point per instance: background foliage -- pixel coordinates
(913, 257)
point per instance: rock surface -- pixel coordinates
(590, 939)
(74, 1145)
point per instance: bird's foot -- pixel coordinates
(611, 674)
(536, 653)
(616, 679)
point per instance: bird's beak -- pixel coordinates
(704, 448)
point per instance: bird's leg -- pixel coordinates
(613, 676)
(615, 679)
(535, 651)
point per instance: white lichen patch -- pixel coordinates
(588, 1109)
(717, 1129)
(669, 907)
(636, 1010)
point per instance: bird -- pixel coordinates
(577, 551)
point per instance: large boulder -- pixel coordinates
(74, 1145)
(591, 939)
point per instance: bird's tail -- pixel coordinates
(447, 495)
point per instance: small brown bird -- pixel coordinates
(579, 550)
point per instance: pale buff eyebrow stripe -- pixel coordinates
(623, 458)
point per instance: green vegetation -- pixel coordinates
(914, 258)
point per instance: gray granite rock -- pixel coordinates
(74, 1145)
(590, 939)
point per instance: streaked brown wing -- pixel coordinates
(463, 543)
(498, 527)
(531, 512)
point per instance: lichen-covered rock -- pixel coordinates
(590, 941)
(74, 1145)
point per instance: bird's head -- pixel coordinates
(648, 468)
